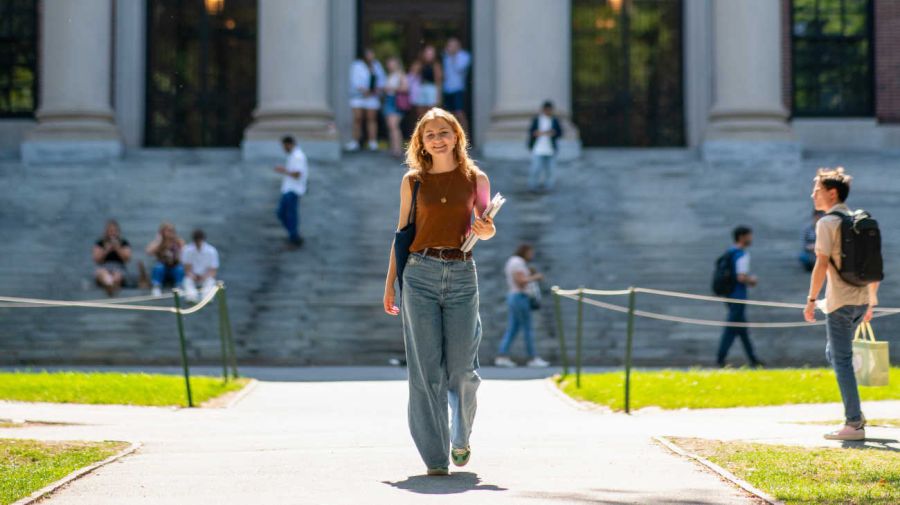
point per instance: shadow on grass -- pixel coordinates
(455, 483)
(873, 444)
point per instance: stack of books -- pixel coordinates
(493, 207)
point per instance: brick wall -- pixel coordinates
(887, 61)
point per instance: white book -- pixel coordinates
(493, 207)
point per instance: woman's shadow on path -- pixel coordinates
(455, 483)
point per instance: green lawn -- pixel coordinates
(110, 388)
(800, 475)
(29, 465)
(701, 388)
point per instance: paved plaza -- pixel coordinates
(339, 436)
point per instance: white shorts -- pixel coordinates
(427, 96)
(365, 102)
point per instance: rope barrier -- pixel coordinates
(117, 301)
(595, 292)
(708, 322)
(225, 336)
(689, 296)
(120, 304)
(579, 296)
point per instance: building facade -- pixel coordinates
(83, 81)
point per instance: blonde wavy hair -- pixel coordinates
(419, 161)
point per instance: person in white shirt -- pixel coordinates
(518, 278)
(366, 83)
(201, 263)
(293, 185)
(545, 130)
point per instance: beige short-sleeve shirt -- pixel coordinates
(838, 293)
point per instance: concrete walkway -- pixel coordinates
(346, 442)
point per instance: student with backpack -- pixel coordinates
(848, 254)
(731, 280)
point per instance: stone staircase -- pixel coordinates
(652, 218)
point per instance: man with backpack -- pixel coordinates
(731, 280)
(848, 254)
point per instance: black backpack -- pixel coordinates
(724, 277)
(861, 262)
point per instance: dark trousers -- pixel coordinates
(736, 314)
(289, 215)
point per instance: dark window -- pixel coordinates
(201, 72)
(627, 72)
(18, 58)
(832, 57)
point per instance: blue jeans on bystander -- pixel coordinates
(542, 168)
(162, 273)
(736, 314)
(839, 327)
(289, 215)
(519, 319)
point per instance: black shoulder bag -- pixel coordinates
(403, 238)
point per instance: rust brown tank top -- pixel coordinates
(443, 210)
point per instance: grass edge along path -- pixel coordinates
(150, 390)
(29, 465)
(705, 388)
(807, 475)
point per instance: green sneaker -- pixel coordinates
(439, 471)
(460, 456)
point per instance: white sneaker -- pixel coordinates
(537, 362)
(373, 145)
(155, 291)
(504, 362)
(192, 296)
(351, 146)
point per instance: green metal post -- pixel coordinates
(578, 334)
(563, 354)
(628, 345)
(184, 359)
(230, 339)
(222, 337)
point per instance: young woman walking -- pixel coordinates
(441, 325)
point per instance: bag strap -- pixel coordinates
(865, 331)
(411, 218)
(843, 217)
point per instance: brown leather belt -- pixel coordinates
(447, 254)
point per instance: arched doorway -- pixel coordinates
(627, 72)
(201, 72)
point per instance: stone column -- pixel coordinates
(75, 118)
(532, 64)
(748, 119)
(293, 82)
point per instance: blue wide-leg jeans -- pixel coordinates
(442, 332)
